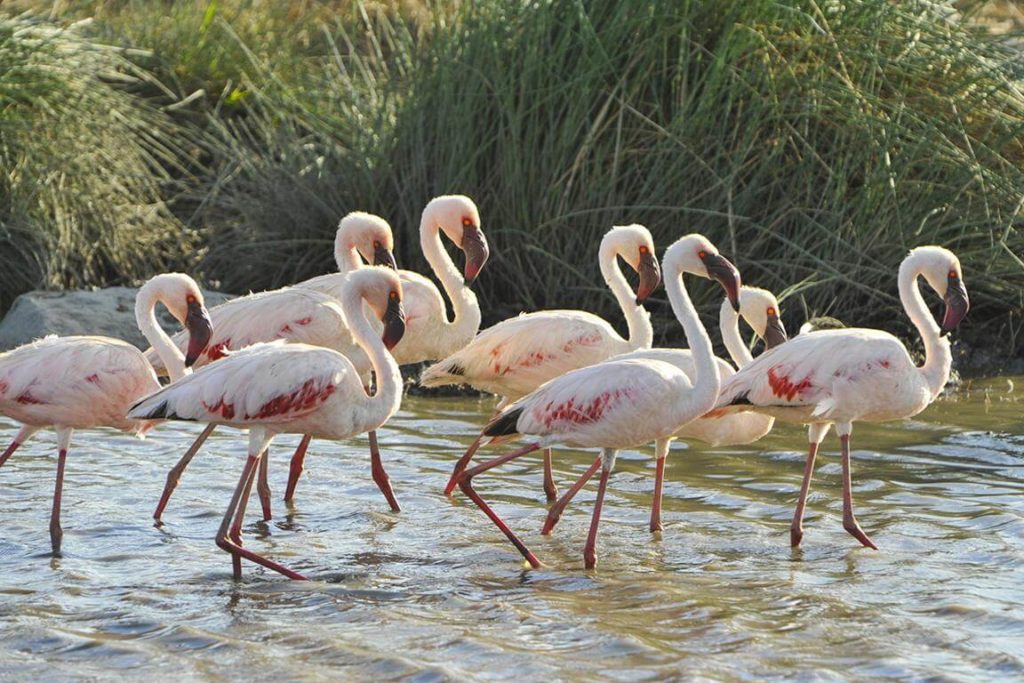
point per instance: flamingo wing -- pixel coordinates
(263, 383)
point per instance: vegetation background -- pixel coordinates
(814, 141)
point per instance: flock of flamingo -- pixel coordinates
(321, 358)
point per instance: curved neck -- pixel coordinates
(466, 309)
(346, 257)
(145, 317)
(938, 359)
(386, 400)
(638, 320)
(729, 324)
(706, 380)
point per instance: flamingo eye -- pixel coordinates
(466, 221)
(953, 275)
(702, 254)
(643, 249)
(393, 295)
(190, 299)
(376, 244)
(771, 311)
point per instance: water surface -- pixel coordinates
(436, 592)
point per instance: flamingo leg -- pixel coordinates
(22, 436)
(380, 477)
(174, 475)
(295, 469)
(555, 513)
(550, 490)
(263, 487)
(661, 453)
(466, 484)
(460, 466)
(231, 545)
(56, 533)
(849, 521)
(796, 529)
(590, 549)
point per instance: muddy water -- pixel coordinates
(435, 592)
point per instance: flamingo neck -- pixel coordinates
(638, 320)
(388, 397)
(938, 358)
(706, 379)
(145, 317)
(346, 257)
(466, 309)
(729, 324)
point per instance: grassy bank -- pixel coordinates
(815, 142)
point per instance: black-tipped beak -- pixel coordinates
(382, 256)
(394, 322)
(200, 330)
(957, 304)
(650, 276)
(724, 273)
(774, 332)
(474, 246)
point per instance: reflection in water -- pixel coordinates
(436, 592)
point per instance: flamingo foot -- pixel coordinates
(853, 528)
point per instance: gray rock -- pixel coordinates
(109, 312)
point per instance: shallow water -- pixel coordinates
(436, 592)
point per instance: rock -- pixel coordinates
(109, 312)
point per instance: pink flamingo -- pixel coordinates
(619, 403)
(82, 382)
(838, 377)
(279, 388)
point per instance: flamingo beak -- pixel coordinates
(382, 256)
(774, 332)
(200, 330)
(394, 321)
(650, 276)
(957, 304)
(724, 273)
(474, 246)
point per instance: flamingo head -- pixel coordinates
(368, 234)
(941, 269)
(381, 288)
(760, 309)
(459, 219)
(636, 247)
(696, 254)
(183, 298)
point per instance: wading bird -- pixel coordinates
(517, 355)
(287, 388)
(81, 382)
(851, 375)
(619, 403)
(760, 309)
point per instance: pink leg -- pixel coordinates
(849, 521)
(466, 484)
(56, 533)
(232, 545)
(295, 469)
(380, 477)
(590, 549)
(175, 474)
(659, 480)
(555, 513)
(263, 486)
(550, 490)
(21, 437)
(460, 466)
(796, 530)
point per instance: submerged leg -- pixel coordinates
(56, 533)
(175, 474)
(590, 549)
(555, 513)
(460, 466)
(660, 453)
(263, 486)
(466, 484)
(295, 469)
(380, 477)
(849, 521)
(550, 490)
(815, 433)
(21, 437)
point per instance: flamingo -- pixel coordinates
(84, 381)
(277, 388)
(841, 376)
(517, 355)
(307, 313)
(619, 403)
(760, 309)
